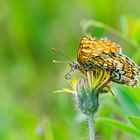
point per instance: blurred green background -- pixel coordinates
(29, 110)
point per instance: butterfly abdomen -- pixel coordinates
(125, 70)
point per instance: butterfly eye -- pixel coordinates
(75, 66)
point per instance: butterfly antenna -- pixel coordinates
(68, 75)
(60, 53)
(56, 61)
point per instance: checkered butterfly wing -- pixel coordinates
(105, 54)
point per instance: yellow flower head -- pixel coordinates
(88, 88)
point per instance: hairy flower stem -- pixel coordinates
(91, 127)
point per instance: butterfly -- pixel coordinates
(103, 54)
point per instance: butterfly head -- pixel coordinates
(74, 66)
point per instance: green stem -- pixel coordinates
(91, 127)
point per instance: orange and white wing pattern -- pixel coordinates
(90, 47)
(106, 55)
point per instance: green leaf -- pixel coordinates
(128, 103)
(120, 125)
(135, 121)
